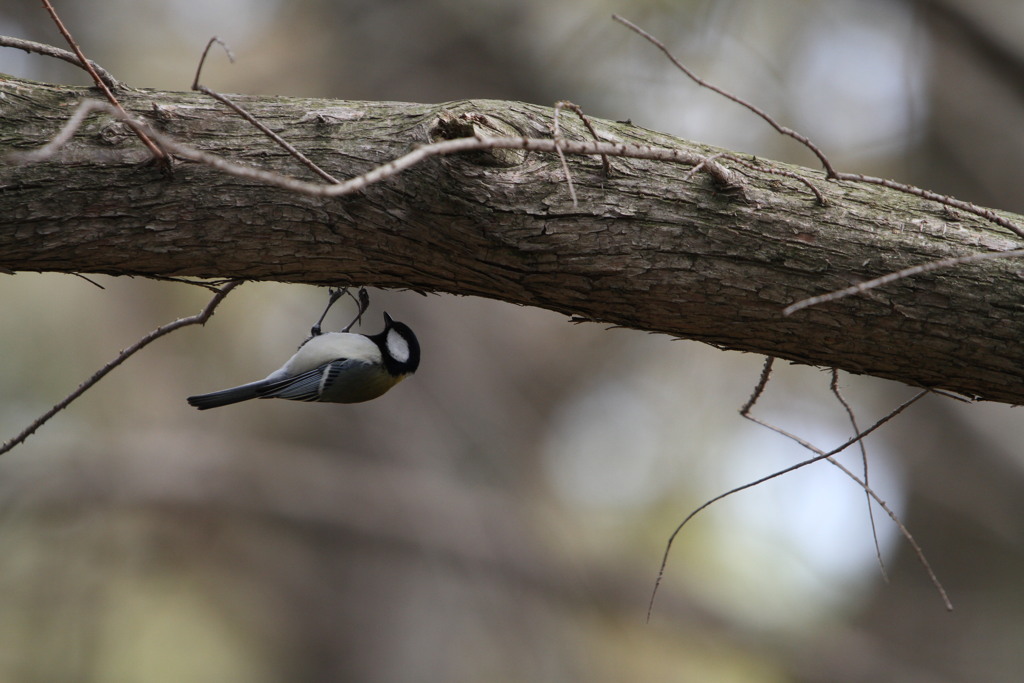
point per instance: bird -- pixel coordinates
(333, 367)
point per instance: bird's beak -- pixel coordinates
(387, 319)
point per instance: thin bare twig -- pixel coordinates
(59, 53)
(821, 455)
(158, 153)
(74, 122)
(556, 134)
(704, 164)
(198, 319)
(904, 531)
(762, 384)
(65, 134)
(288, 147)
(789, 132)
(210, 285)
(723, 176)
(761, 167)
(946, 200)
(89, 280)
(834, 386)
(206, 51)
(899, 275)
(606, 165)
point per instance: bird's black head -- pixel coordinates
(399, 348)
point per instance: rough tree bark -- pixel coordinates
(653, 246)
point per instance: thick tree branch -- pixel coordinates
(652, 246)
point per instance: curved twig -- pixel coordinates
(821, 455)
(198, 319)
(60, 53)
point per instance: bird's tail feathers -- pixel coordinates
(227, 396)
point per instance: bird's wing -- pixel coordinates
(302, 387)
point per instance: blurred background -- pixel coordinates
(501, 516)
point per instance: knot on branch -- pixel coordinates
(454, 125)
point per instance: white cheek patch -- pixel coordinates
(398, 347)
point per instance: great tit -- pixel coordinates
(334, 367)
